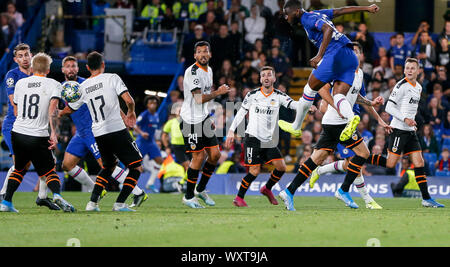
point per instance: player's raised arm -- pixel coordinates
(352, 9)
(369, 107)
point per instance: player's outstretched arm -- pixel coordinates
(369, 107)
(240, 115)
(52, 118)
(131, 115)
(203, 98)
(352, 9)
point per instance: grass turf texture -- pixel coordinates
(163, 221)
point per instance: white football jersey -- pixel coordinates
(263, 112)
(32, 96)
(100, 95)
(406, 97)
(195, 77)
(331, 117)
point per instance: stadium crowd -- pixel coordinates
(245, 39)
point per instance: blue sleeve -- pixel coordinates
(141, 120)
(327, 12)
(313, 21)
(10, 83)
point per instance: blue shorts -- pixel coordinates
(80, 146)
(148, 148)
(339, 65)
(345, 153)
(7, 137)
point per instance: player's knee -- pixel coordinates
(67, 166)
(390, 165)
(254, 170)
(215, 157)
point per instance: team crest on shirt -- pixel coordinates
(272, 102)
(10, 82)
(196, 81)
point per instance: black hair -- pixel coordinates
(151, 97)
(94, 60)
(293, 4)
(358, 45)
(202, 43)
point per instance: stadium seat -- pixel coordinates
(446, 142)
(443, 173)
(430, 157)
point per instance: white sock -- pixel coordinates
(42, 194)
(120, 174)
(362, 189)
(5, 183)
(304, 103)
(342, 104)
(82, 177)
(153, 173)
(331, 167)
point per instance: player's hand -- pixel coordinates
(130, 119)
(223, 89)
(314, 62)
(312, 109)
(53, 141)
(387, 128)
(373, 8)
(145, 135)
(378, 101)
(410, 122)
(230, 139)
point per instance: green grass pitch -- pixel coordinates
(164, 221)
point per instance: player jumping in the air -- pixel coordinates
(36, 99)
(335, 61)
(196, 126)
(263, 105)
(100, 93)
(83, 141)
(402, 105)
(333, 124)
(342, 165)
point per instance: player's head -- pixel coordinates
(70, 68)
(411, 68)
(292, 10)
(40, 63)
(95, 62)
(202, 52)
(151, 103)
(268, 77)
(22, 55)
(357, 48)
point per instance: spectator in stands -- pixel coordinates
(442, 51)
(382, 52)
(123, 4)
(280, 65)
(254, 26)
(236, 12)
(175, 101)
(232, 97)
(188, 47)
(442, 78)
(384, 68)
(236, 42)
(220, 47)
(8, 28)
(245, 71)
(265, 12)
(445, 130)
(428, 142)
(253, 82)
(154, 10)
(259, 63)
(317, 5)
(399, 52)
(425, 52)
(169, 21)
(226, 70)
(390, 86)
(16, 16)
(443, 164)
(437, 92)
(211, 26)
(98, 9)
(436, 112)
(307, 140)
(424, 26)
(398, 72)
(211, 7)
(366, 40)
(231, 165)
(185, 9)
(445, 34)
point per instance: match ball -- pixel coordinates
(71, 91)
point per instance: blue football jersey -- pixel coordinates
(148, 123)
(313, 21)
(11, 79)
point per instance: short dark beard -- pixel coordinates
(71, 78)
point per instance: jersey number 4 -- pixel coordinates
(33, 109)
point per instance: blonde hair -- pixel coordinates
(41, 63)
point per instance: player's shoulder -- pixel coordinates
(253, 92)
(279, 93)
(403, 82)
